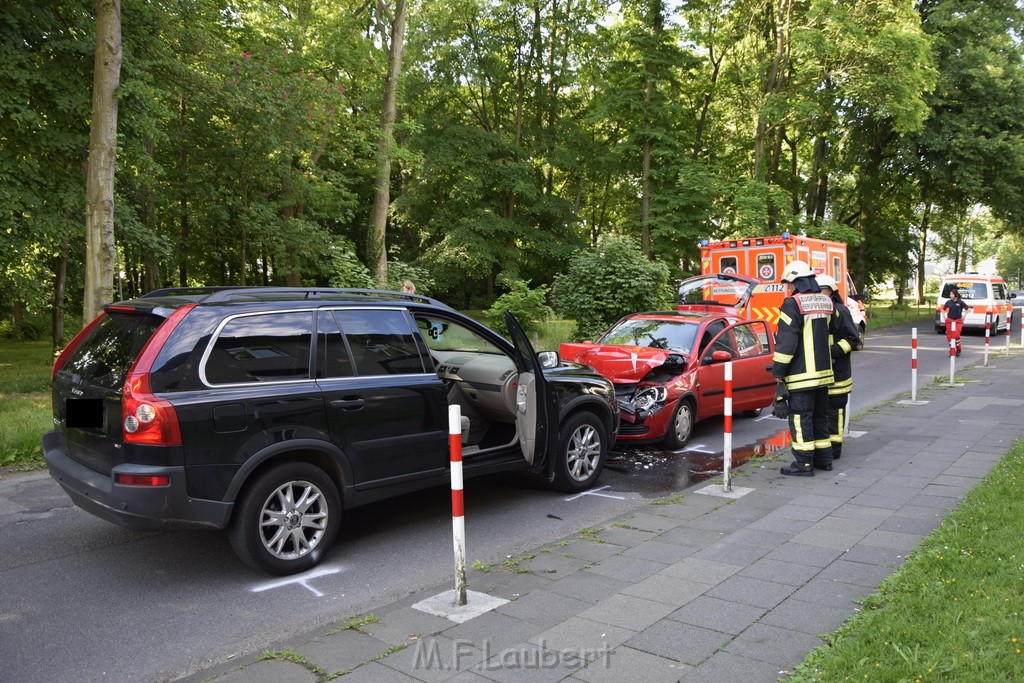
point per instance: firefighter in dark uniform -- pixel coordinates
(845, 338)
(803, 366)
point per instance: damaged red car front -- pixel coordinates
(669, 367)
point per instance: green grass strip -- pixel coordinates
(955, 610)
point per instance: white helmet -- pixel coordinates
(795, 270)
(825, 280)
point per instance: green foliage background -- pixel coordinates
(527, 133)
(602, 285)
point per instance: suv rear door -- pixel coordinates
(87, 388)
(385, 409)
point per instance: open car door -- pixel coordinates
(536, 409)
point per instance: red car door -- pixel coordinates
(749, 347)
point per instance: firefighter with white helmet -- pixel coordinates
(845, 338)
(803, 366)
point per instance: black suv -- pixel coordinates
(267, 411)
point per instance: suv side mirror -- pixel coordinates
(548, 359)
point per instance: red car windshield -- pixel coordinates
(671, 335)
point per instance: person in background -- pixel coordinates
(955, 309)
(845, 339)
(408, 287)
(803, 366)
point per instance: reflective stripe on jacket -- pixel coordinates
(845, 337)
(802, 357)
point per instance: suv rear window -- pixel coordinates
(104, 357)
(265, 347)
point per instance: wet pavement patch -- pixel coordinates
(654, 471)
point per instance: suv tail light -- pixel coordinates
(147, 419)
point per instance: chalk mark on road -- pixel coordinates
(594, 492)
(301, 580)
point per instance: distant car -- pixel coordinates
(668, 367)
(1017, 299)
(269, 411)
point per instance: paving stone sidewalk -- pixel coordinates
(693, 587)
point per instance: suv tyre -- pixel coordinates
(581, 453)
(287, 519)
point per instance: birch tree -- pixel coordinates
(99, 192)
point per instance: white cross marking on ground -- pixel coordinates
(594, 493)
(301, 580)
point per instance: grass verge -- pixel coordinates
(24, 402)
(953, 612)
(885, 314)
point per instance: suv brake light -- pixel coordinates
(147, 419)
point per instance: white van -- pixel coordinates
(987, 295)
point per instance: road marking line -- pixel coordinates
(301, 580)
(594, 492)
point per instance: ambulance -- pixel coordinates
(764, 258)
(987, 295)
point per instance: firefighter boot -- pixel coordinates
(837, 450)
(798, 469)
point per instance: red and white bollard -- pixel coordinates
(913, 365)
(952, 361)
(988, 333)
(1009, 326)
(458, 511)
(727, 449)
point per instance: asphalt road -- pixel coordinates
(82, 600)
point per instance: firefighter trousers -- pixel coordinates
(837, 422)
(809, 426)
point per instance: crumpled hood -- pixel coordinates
(616, 362)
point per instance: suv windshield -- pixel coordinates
(103, 358)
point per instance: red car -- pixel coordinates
(669, 367)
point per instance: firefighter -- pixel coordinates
(955, 309)
(845, 338)
(803, 366)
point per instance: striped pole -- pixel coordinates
(458, 518)
(988, 333)
(727, 450)
(1009, 326)
(952, 356)
(913, 364)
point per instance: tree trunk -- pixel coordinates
(774, 83)
(60, 277)
(921, 253)
(657, 28)
(705, 106)
(99, 193)
(816, 184)
(377, 256)
(150, 266)
(18, 317)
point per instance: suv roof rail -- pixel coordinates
(225, 294)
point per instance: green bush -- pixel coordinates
(604, 284)
(527, 305)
